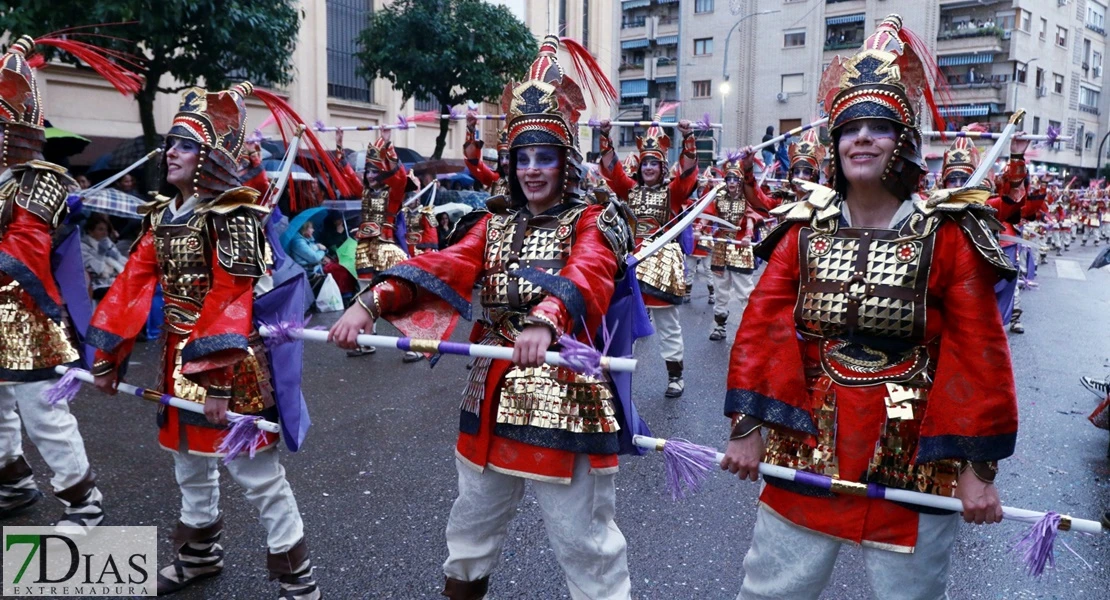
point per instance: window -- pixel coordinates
(1025, 20)
(703, 88)
(794, 39)
(1089, 141)
(1096, 16)
(1020, 70)
(1061, 37)
(1005, 20)
(346, 19)
(1040, 78)
(1043, 32)
(425, 104)
(1057, 83)
(793, 84)
(703, 46)
(703, 6)
(1088, 97)
(1036, 125)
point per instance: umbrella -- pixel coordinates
(272, 149)
(273, 171)
(455, 210)
(60, 142)
(346, 255)
(461, 179)
(113, 202)
(440, 166)
(316, 215)
(126, 153)
(1101, 260)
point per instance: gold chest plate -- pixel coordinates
(732, 210)
(518, 241)
(651, 208)
(375, 212)
(864, 282)
(183, 258)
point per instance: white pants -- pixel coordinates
(669, 330)
(263, 481)
(732, 286)
(578, 518)
(52, 429)
(787, 562)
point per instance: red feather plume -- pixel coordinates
(100, 59)
(590, 74)
(935, 89)
(320, 162)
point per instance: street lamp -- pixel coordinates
(725, 88)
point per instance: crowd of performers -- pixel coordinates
(863, 337)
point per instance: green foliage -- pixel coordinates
(195, 41)
(450, 50)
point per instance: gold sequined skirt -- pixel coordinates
(732, 257)
(663, 274)
(29, 340)
(556, 398)
(372, 256)
(251, 388)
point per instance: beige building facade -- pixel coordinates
(1045, 56)
(326, 85)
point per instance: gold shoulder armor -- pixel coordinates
(241, 246)
(234, 199)
(43, 188)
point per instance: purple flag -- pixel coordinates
(626, 320)
(285, 304)
(69, 272)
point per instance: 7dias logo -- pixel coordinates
(108, 561)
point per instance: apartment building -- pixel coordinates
(647, 64)
(1045, 56)
(327, 85)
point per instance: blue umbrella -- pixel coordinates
(316, 215)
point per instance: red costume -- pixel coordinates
(381, 205)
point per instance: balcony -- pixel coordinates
(1089, 109)
(666, 69)
(978, 93)
(631, 71)
(1096, 28)
(632, 32)
(667, 26)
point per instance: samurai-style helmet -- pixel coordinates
(218, 122)
(21, 108)
(631, 164)
(654, 143)
(733, 165)
(381, 155)
(887, 79)
(544, 108)
(502, 141)
(961, 158)
(808, 151)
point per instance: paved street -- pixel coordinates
(376, 479)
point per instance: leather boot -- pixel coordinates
(457, 589)
(17, 488)
(675, 384)
(718, 332)
(293, 570)
(199, 556)
(83, 509)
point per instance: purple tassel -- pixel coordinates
(255, 137)
(402, 122)
(280, 333)
(319, 125)
(243, 435)
(687, 465)
(704, 123)
(1037, 546)
(581, 358)
(593, 122)
(735, 155)
(1051, 134)
(64, 390)
(456, 113)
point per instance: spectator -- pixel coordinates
(313, 258)
(443, 229)
(768, 152)
(103, 261)
(83, 182)
(127, 184)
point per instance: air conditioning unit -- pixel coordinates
(782, 97)
(1042, 92)
(1061, 2)
(1097, 73)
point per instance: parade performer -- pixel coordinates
(655, 201)
(384, 181)
(868, 351)
(733, 264)
(497, 182)
(202, 241)
(703, 248)
(547, 261)
(36, 332)
(1096, 200)
(1007, 198)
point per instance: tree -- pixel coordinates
(190, 41)
(449, 50)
